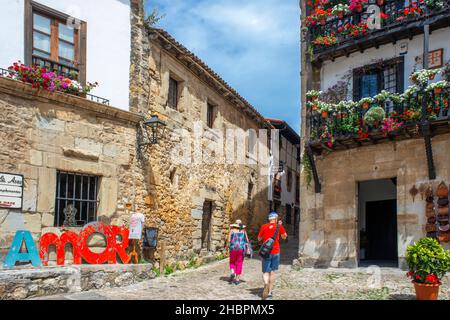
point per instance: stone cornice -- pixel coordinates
(205, 73)
(26, 91)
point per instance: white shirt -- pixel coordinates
(136, 222)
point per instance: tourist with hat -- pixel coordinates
(236, 244)
(270, 251)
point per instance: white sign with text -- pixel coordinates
(11, 191)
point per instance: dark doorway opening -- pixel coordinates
(378, 223)
(207, 225)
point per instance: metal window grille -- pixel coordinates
(81, 192)
(390, 78)
(173, 93)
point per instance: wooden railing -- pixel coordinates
(394, 9)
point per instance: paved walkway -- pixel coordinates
(211, 282)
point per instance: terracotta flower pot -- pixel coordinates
(442, 190)
(340, 14)
(314, 107)
(437, 90)
(313, 99)
(365, 105)
(431, 77)
(426, 291)
(380, 2)
(324, 114)
(359, 8)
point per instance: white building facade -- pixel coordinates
(89, 37)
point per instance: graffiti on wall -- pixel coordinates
(116, 245)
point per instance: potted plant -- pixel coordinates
(365, 103)
(340, 10)
(428, 263)
(380, 2)
(424, 75)
(374, 116)
(438, 86)
(313, 95)
(325, 40)
(322, 15)
(324, 109)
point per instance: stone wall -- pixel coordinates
(179, 191)
(42, 133)
(329, 225)
(22, 284)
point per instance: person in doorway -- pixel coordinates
(236, 244)
(271, 264)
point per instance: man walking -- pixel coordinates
(271, 263)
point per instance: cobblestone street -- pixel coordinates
(211, 282)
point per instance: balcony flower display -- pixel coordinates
(41, 77)
(325, 40)
(340, 10)
(357, 5)
(428, 263)
(324, 109)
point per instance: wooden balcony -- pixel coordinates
(396, 27)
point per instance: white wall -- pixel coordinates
(332, 72)
(108, 41)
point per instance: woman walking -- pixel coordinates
(237, 241)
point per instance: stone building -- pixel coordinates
(366, 203)
(286, 185)
(71, 150)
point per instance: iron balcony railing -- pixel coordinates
(11, 74)
(344, 124)
(394, 9)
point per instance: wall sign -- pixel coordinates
(435, 59)
(11, 191)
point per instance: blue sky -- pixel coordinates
(252, 44)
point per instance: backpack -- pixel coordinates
(237, 241)
(267, 246)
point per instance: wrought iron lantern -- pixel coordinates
(151, 132)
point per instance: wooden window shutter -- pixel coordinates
(401, 75)
(356, 85)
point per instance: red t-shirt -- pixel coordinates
(268, 231)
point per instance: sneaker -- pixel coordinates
(265, 292)
(270, 296)
(237, 282)
(232, 277)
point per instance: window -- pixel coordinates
(52, 41)
(173, 93)
(370, 80)
(210, 115)
(79, 191)
(297, 189)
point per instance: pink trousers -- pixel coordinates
(236, 261)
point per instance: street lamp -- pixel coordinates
(151, 132)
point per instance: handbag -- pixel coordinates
(248, 250)
(267, 246)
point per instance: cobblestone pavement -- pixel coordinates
(211, 282)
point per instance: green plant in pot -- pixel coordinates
(428, 263)
(374, 116)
